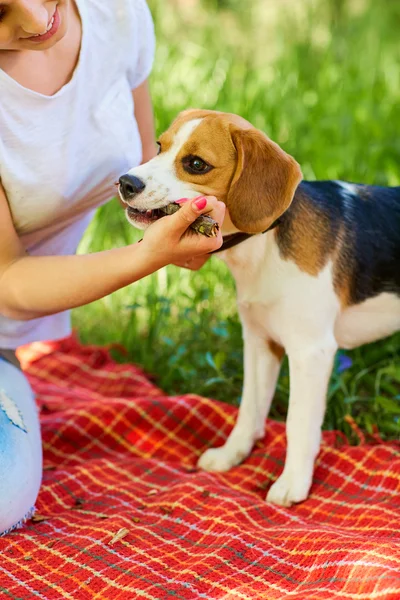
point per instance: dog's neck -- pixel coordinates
(233, 237)
(228, 227)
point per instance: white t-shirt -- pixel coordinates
(60, 155)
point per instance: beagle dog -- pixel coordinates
(316, 264)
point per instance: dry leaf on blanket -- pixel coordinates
(119, 536)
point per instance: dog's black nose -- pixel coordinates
(130, 186)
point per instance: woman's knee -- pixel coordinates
(20, 448)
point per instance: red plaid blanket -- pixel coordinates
(126, 515)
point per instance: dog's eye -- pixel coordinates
(159, 148)
(196, 165)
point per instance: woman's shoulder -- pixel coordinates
(117, 10)
(124, 35)
(127, 20)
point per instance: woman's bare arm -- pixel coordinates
(145, 120)
(32, 287)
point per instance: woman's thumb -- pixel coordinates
(189, 211)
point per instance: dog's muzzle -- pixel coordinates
(129, 187)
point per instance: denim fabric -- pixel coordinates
(20, 448)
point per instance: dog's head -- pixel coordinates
(216, 154)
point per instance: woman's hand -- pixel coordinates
(194, 264)
(170, 239)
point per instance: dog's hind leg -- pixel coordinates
(261, 369)
(310, 367)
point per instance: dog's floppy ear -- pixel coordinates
(264, 183)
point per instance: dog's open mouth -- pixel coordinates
(146, 216)
(204, 224)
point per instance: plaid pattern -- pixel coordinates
(119, 457)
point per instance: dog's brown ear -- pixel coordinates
(264, 183)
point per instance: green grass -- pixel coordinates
(322, 79)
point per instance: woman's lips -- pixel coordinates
(52, 28)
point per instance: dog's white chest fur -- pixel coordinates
(276, 300)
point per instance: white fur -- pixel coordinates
(159, 176)
(278, 302)
(349, 188)
(371, 320)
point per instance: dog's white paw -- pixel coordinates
(289, 489)
(221, 459)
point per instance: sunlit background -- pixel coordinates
(320, 77)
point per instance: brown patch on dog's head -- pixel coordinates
(167, 138)
(210, 141)
(253, 176)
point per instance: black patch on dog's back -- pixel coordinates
(364, 223)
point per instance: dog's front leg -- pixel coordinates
(261, 370)
(310, 369)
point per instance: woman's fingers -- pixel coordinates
(192, 209)
(168, 240)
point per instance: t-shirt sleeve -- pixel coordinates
(142, 44)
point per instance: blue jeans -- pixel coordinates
(20, 448)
